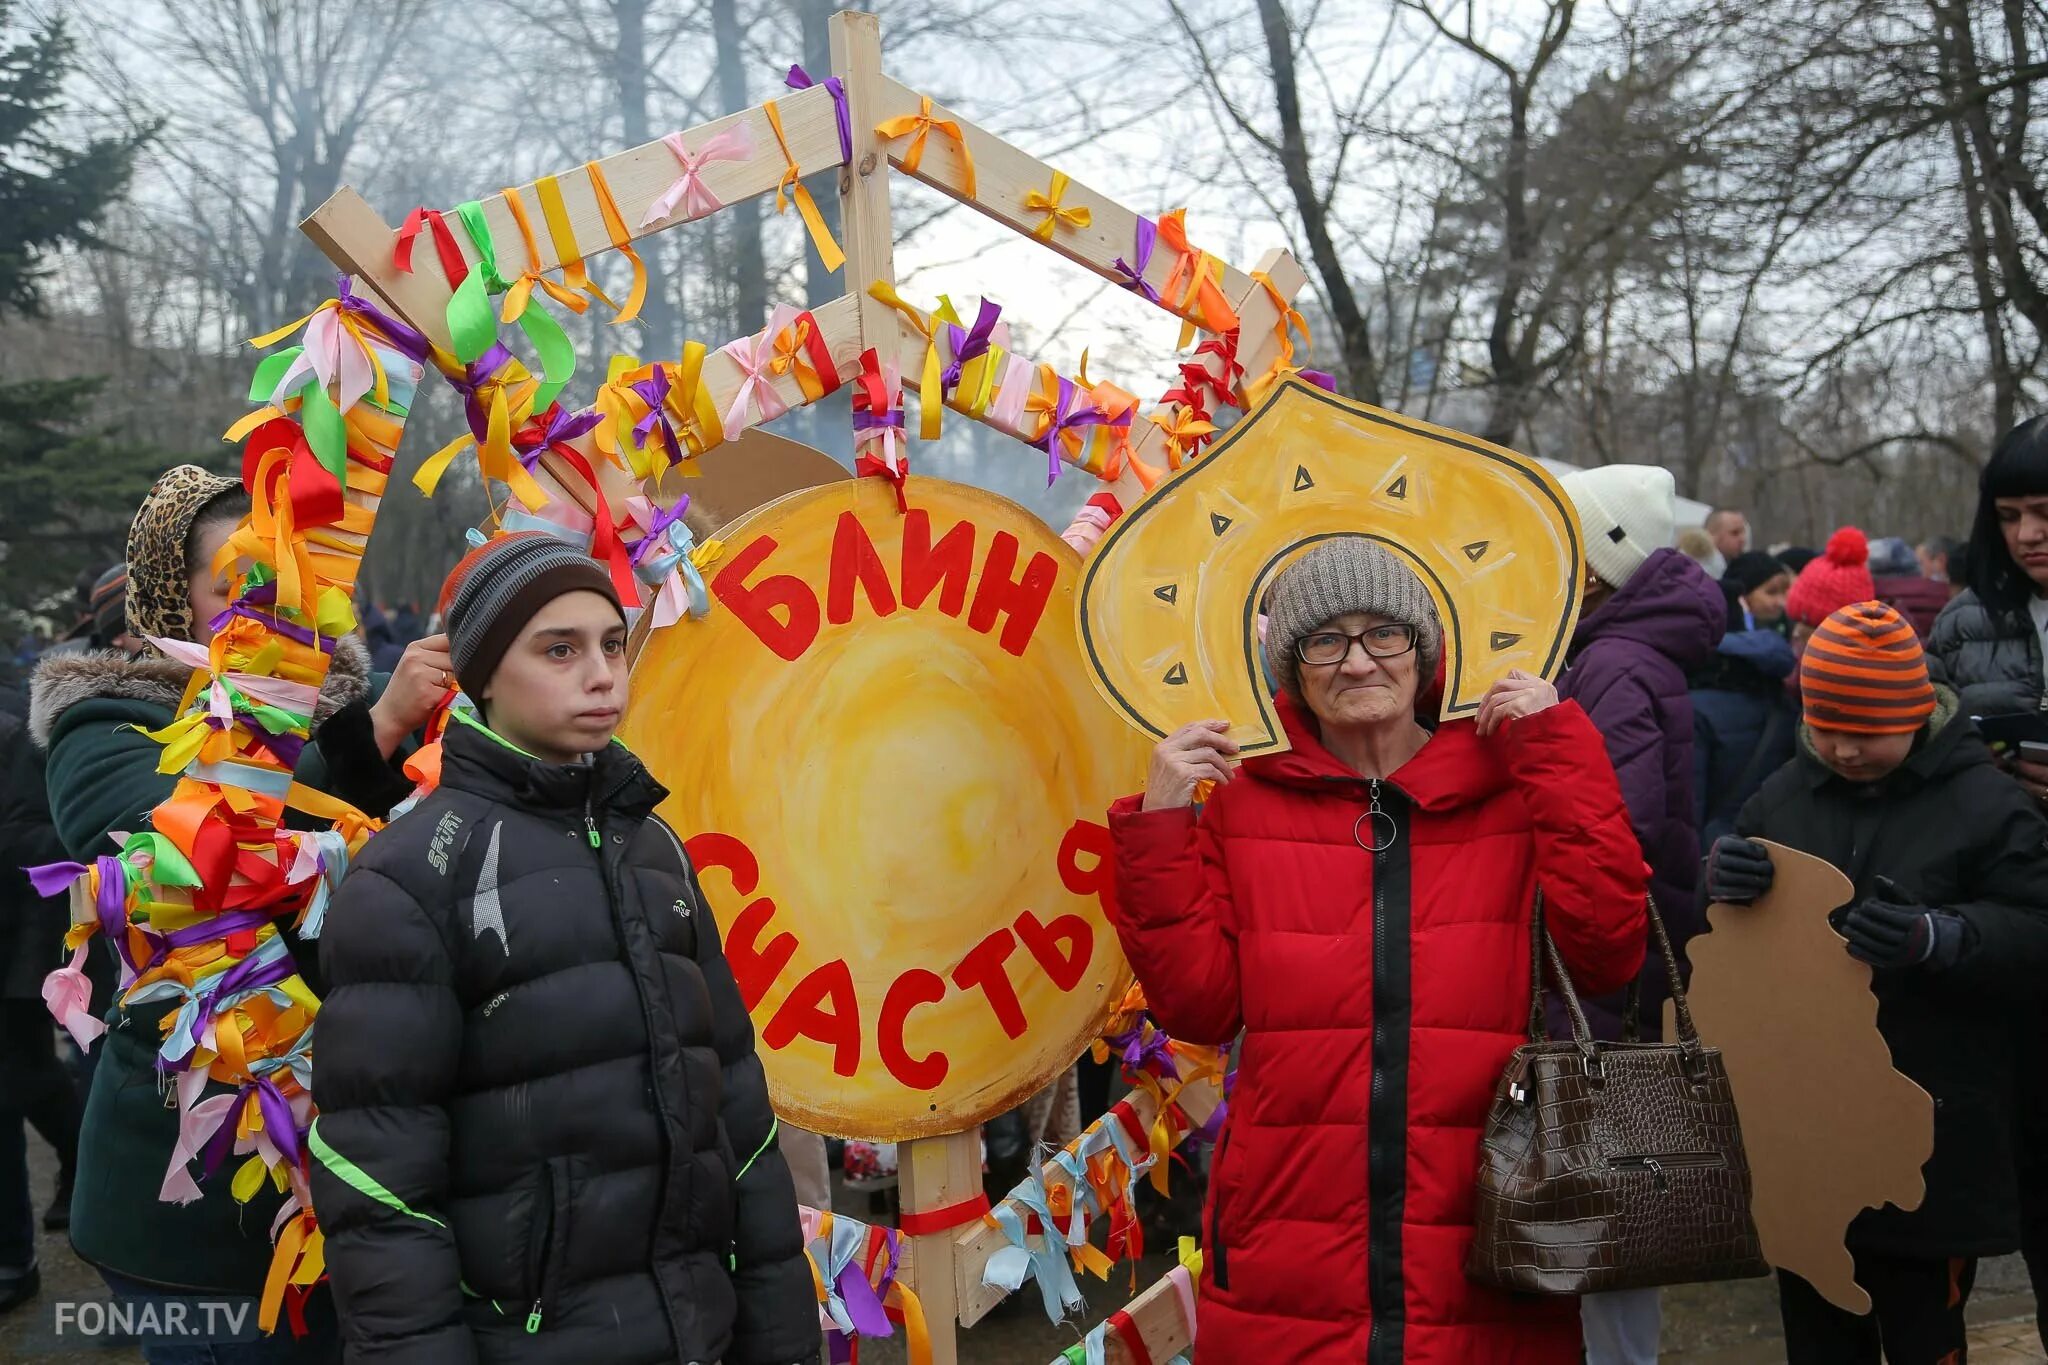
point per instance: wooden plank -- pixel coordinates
(1257, 346)
(867, 231)
(981, 1241)
(637, 177)
(1005, 175)
(1161, 1322)
(937, 1173)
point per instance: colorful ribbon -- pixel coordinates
(688, 189)
(622, 241)
(1145, 239)
(1196, 276)
(1047, 202)
(918, 127)
(931, 398)
(755, 357)
(801, 350)
(800, 79)
(791, 186)
(878, 425)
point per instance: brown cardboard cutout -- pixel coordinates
(1830, 1127)
(752, 470)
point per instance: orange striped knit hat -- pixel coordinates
(1863, 671)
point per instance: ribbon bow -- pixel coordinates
(672, 565)
(688, 188)
(1047, 202)
(969, 344)
(801, 350)
(1146, 238)
(1063, 420)
(931, 397)
(755, 357)
(921, 125)
(877, 422)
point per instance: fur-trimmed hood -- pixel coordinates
(63, 681)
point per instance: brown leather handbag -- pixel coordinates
(1611, 1165)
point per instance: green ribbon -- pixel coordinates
(263, 384)
(326, 432)
(168, 867)
(551, 345)
(472, 326)
(474, 223)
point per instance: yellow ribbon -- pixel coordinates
(1184, 429)
(931, 401)
(615, 228)
(1047, 202)
(921, 125)
(791, 186)
(521, 292)
(563, 236)
(1191, 1257)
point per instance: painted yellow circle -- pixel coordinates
(891, 769)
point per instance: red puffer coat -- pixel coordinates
(1380, 995)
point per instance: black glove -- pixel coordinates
(1889, 931)
(1738, 870)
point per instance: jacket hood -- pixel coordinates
(1762, 649)
(62, 681)
(1454, 768)
(1947, 744)
(1670, 605)
(478, 760)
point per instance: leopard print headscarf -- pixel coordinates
(159, 593)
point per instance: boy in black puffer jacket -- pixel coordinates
(544, 1135)
(1949, 860)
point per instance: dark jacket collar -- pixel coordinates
(475, 759)
(1948, 742)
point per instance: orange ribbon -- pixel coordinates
(615, 228)
(791, 186)
(921, 125)
(1196, 275)
(521, 292)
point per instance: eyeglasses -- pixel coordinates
(1326, 647)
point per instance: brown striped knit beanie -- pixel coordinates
(1863, 671)
(501, 585)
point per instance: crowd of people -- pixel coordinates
(544, 1132)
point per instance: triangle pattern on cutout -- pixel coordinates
(1302, 482)
(1177, 676)
(1168, 593)
(1218, 523)
(1476, 549)
(1398, 488)
(1501, 639)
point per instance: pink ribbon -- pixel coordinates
(197, 1124)
(688, 189)
(67, 994)
(753, 355)
(1007, 412)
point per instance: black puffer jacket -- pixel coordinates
(1953, 831)
(544, 1135)
(1993, 662)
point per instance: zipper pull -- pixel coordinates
(596, 839)
(533, 1319)
(1657, 1172)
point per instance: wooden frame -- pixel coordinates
(943, 1268)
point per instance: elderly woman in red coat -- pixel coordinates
(1360, 908)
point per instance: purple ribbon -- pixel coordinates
(205, 931)
(663, 519)
(1320, 379)
(52, 879)
(110, 906)
(477, 372)
(876, 421)
(242, 608)
(800, 79)
(285, 748)
(968, 343)
(862, 1306)
(654, 392)
(403, 339)
(562, 427)
(277, 1122)
(1134, 276)
(1065, 419)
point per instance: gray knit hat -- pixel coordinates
(500, 586)
(1343, 575)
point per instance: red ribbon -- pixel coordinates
(931, 1222)
(401, 250)
(452, 264)
(605, 545)
(1127, 1332)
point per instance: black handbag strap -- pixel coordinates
(1542, 949)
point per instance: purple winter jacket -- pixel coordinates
(1627, 669)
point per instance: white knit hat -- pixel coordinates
(1626, 512)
